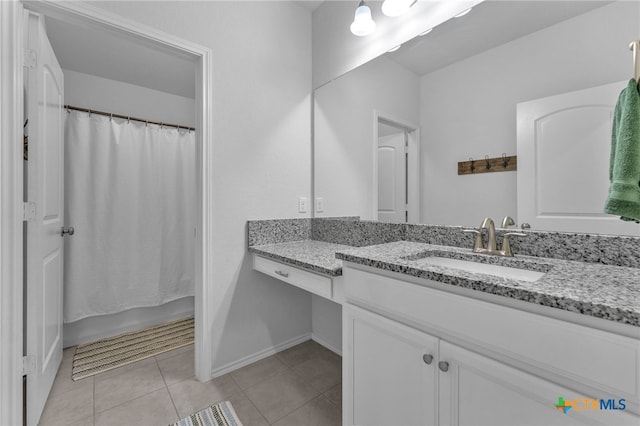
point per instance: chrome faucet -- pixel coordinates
(490, 248)
(507, 221)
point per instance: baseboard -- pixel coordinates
(324, 343)
(217, 372)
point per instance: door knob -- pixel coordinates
(67, 230)
(444, 366)
(427, 358)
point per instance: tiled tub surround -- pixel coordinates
(602, 291)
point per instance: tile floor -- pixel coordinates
(298, 386)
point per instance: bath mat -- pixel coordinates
(221, 414)
(113, 352)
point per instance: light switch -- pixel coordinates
(319, 205)
(303, 205)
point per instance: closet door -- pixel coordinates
(564, 143)
(45, 192)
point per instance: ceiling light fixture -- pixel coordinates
(393, 49)
(464, 12)
(362, 24)
(425, 32)
(396, 7)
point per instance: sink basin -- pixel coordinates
(483, 268)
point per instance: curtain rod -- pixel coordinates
(126, 117)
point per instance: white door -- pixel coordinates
(564, 143)
(476, 390)
(392, 372)
(45, 189)
(392, 178)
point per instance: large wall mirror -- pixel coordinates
(389, 134)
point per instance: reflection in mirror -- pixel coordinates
(460, 86)
(397, 159)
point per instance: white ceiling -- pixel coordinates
(489, 24)
(110, 55)
(310, 5)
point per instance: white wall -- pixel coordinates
(468, 109)
(344, 125)
(261, 125)
(89, 91)
(336, 50)
(326, 323)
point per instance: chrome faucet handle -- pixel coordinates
(507, 221)
(477, 244)
(506, 245)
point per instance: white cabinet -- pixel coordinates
(476, 390)
(475, 376)
(392, 371)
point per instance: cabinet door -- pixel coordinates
(388, 380)
(476, 390)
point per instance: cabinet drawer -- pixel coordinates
(309, 281)
(605, 362)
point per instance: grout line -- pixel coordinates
(137, 397)
(94, 400)
(166, 386)
(234, 381)
(329, 399)
(254, 405)
(129, 400)
(295, 409)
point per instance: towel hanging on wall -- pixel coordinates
(624, 165)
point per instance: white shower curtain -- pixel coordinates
(130, 196)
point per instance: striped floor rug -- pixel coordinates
(221, 414)
(113, 352)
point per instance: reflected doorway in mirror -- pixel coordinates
(396, 170)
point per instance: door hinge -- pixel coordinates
(28, 365)
(30, 58)
(28, 211)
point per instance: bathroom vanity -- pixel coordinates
(309, 265)
(435, 334)
(429, 344)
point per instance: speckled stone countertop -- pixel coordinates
(602, 291)
(316, 256)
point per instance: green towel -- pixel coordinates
(624, 165)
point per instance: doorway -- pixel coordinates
(90, 17)
(396, 170)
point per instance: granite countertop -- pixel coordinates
(315, 256)
(602, 291)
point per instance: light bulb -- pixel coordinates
(464, 12)
(362, 24)
(396, 7)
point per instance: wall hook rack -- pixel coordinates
(497, 164)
